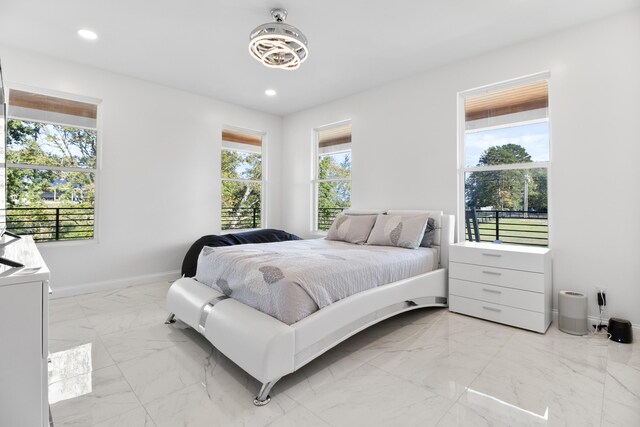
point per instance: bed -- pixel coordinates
(270, 346)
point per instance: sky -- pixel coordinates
(534, 137)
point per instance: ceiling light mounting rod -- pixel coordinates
(278, 45)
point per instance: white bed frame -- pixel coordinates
(269, 349)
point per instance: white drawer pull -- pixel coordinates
(493, 291)
(493, 255)
(492, 272)
(497, 310)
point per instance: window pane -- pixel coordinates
(34, 143)
(522, 143)
(241, 204)
(33, 187)
(334, 165)
(50, 205)
(511, 205)
(333, 198)
(241, 165)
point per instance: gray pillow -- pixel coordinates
(351, 228)
(398, 230)
(429, 234)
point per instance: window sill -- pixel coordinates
(65, 243)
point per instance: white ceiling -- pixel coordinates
(201, 45)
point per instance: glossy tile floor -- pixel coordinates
(114, 363)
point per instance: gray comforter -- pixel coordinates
(290, 280)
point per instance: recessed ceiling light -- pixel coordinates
(87, 34)
(270, 92)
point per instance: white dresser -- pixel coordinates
(24, 302)
(508, 284)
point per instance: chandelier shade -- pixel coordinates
(278, 45)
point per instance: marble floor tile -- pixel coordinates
(445, 365)
(71, 360)
(118, 299)
(62, 309)
(538, 381)
(156, 292)
(75, 348)
(135, 418)
(226, 383)
(166, 371)
(453, 323)
(73, 331)
(126, 319)
(115, 363)
(298, 416)
(140, 342)
(462, 416)
(386, 335)
(629, 354)
(621, 406)
(193, 406)
(371, 396)
(88, 399)
(327, 368)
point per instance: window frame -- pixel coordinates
(262, 182)
(463, 169)
(315, 169)
(96, 171)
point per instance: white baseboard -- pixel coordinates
(67, 291)
(593, 320)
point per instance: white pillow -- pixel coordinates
(405, 231)
(351, 228)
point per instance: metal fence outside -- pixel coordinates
(240, 218)
(326, 217)
(51, 224)
(519, 227)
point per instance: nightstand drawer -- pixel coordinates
(526, 300)
(525, 280)
(502, 256)
(499, 313)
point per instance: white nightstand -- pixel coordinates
(508, 284)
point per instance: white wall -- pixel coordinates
(404, 149)
(159, 184)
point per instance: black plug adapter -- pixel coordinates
(602, 299)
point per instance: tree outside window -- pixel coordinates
(242, 180)
(51, 159)
(506, 159)
(333, 174)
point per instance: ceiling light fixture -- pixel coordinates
(278, 45)
(87, 34)
(270, 92)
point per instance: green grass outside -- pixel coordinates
(516, 230)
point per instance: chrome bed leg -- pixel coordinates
(263, 396)
(170, 319)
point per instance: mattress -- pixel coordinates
(292, 279)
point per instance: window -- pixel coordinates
(51, 167)
(242, 180)
(505, 160)
(332, 177)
